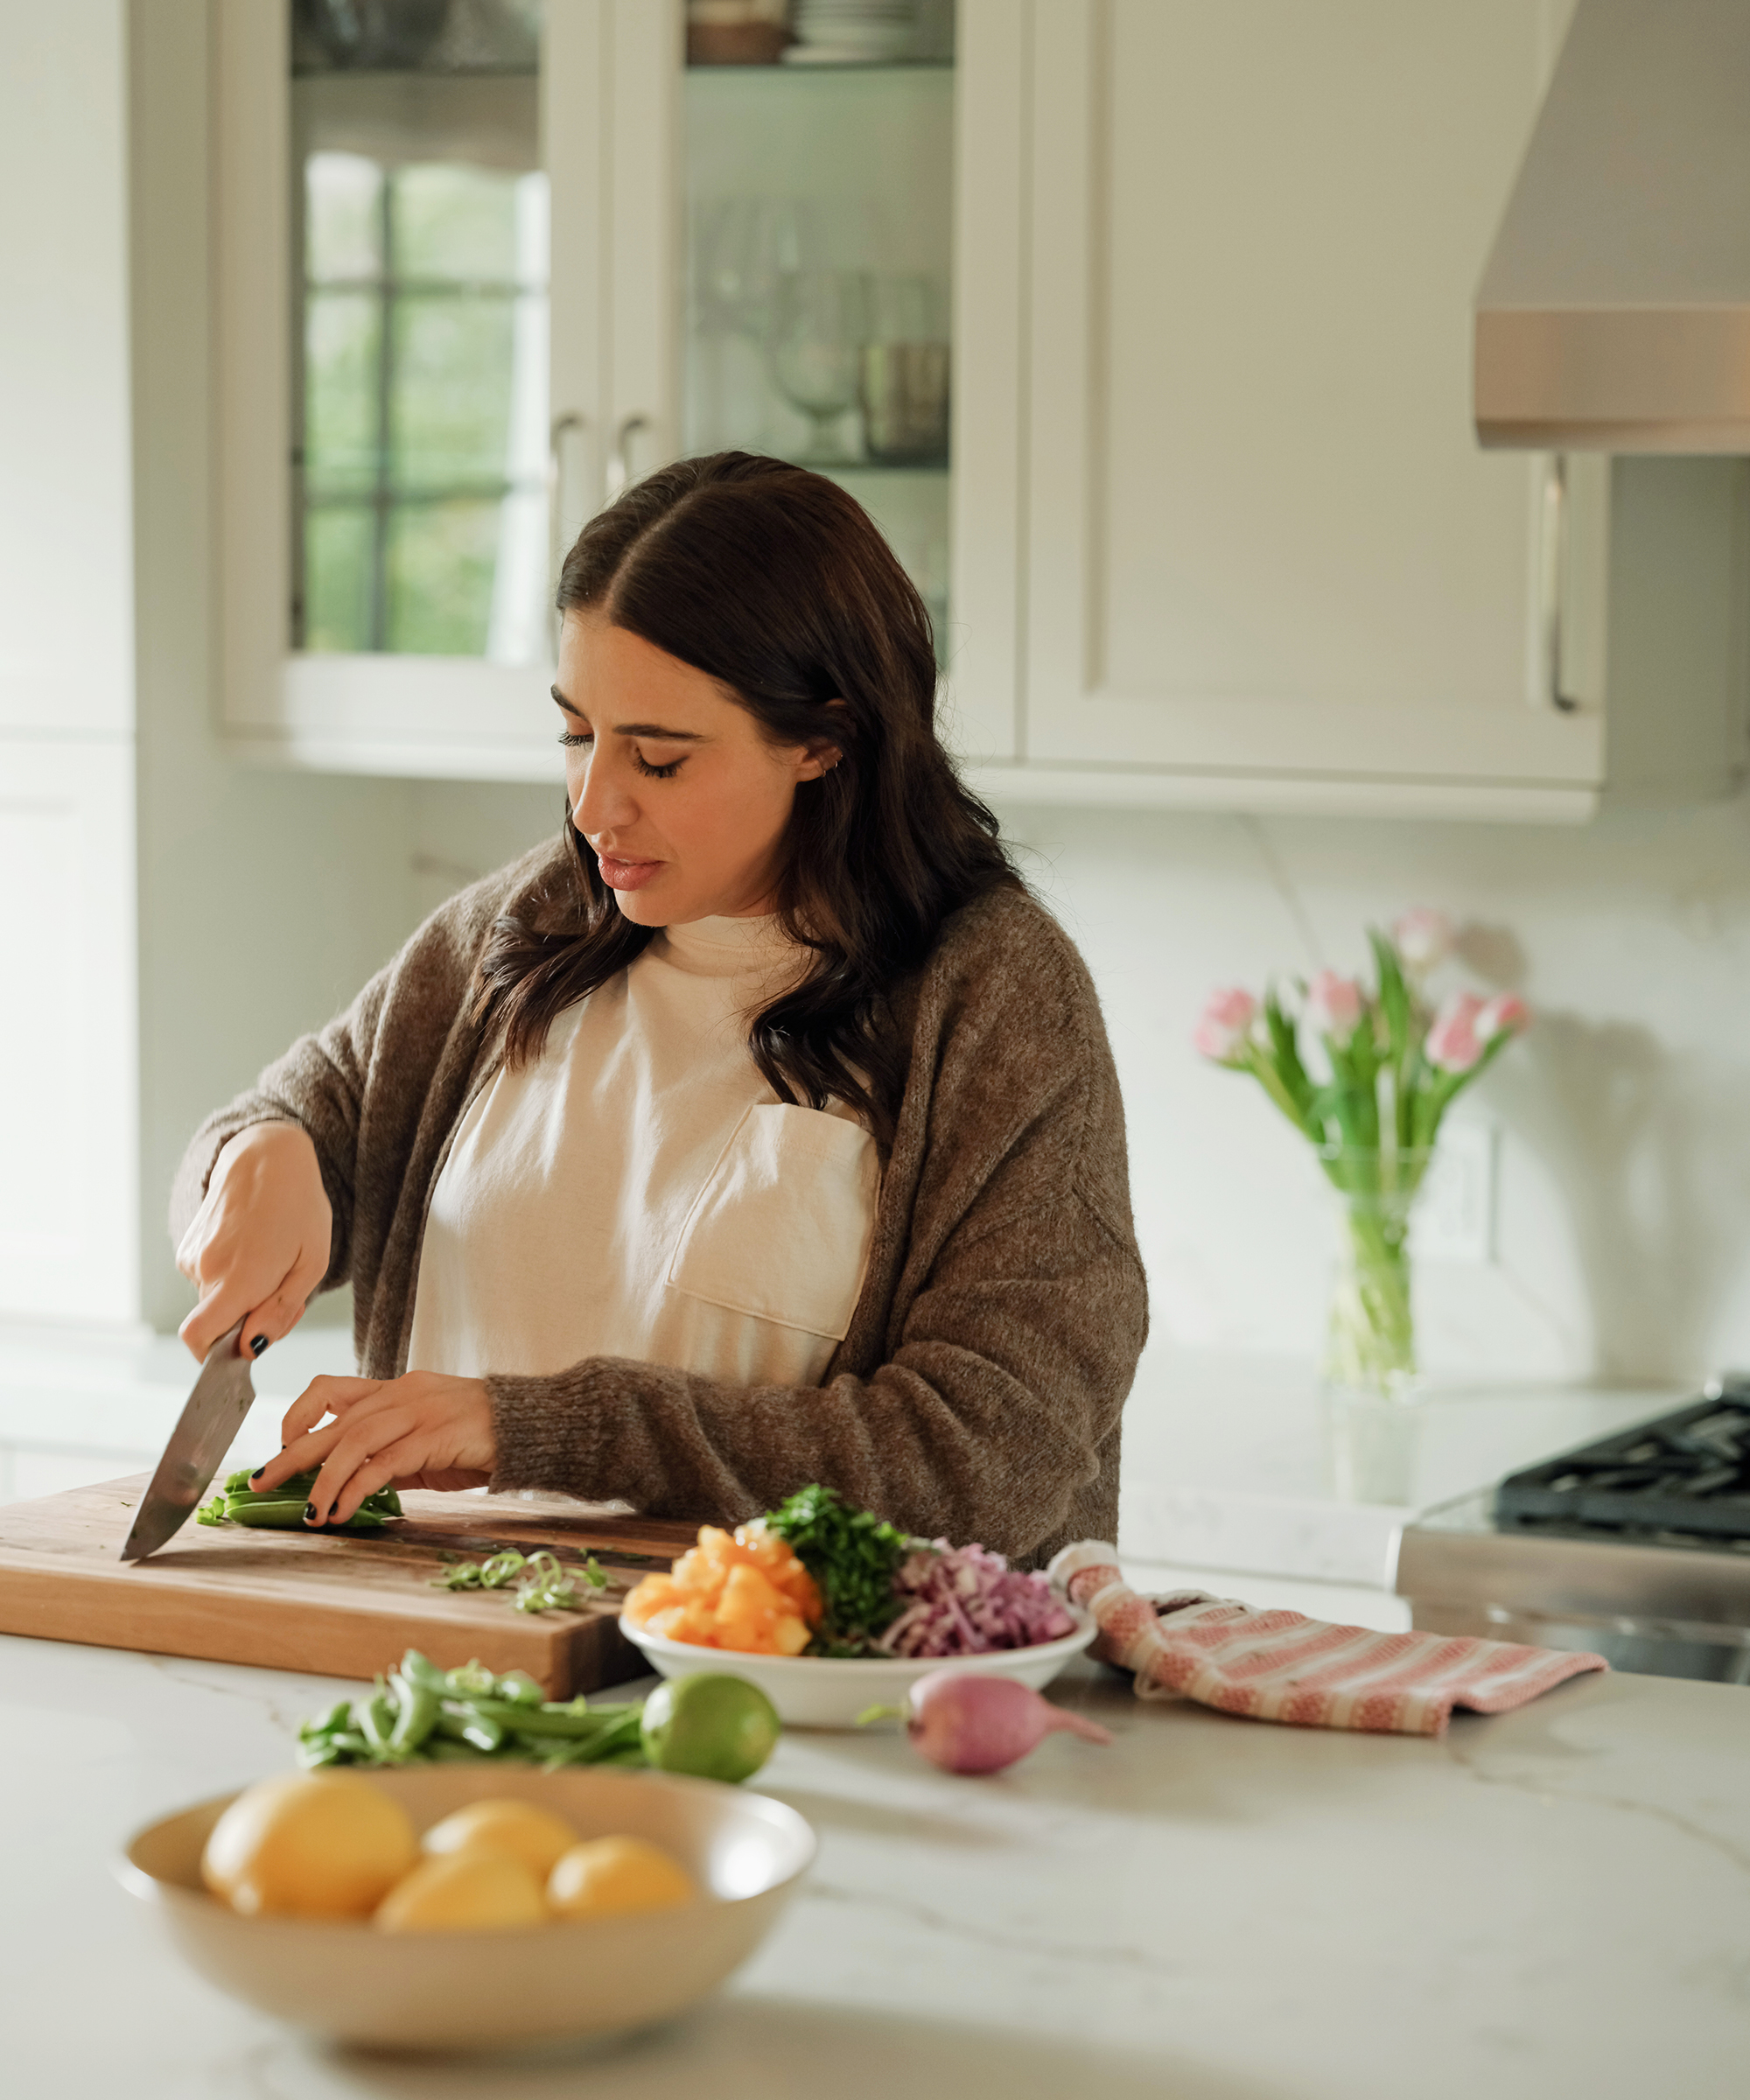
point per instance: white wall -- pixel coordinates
(69, 1150)
(1623, 1218)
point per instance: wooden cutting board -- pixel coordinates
(341, 1606)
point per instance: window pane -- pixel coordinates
(337, 578)
(342, 217)
(340, 337)
(422, 437)
(452, 390)
(456, 224)
(441, 563)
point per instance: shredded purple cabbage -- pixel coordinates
(961, 1600)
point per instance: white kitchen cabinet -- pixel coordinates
(383, 602)
(69, 1101)
(1218, 529)
(1223, 532)
(69, 1072)
(355, 634)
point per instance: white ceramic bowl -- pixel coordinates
(478, 1989)
(811, 1691)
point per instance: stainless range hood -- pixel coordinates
(1614, 313)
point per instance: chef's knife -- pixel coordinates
(222, 1395)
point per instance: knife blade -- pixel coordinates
(213, 1413)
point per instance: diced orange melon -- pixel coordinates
(790, 1637)
(748, 1592)
(654, 1594)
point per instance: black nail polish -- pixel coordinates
(257, 1343)
(258, 1473)
(310, 1513)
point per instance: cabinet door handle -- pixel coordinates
(1553, 561)
(620, 467)
(571, 424)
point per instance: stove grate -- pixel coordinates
(1686, 1472)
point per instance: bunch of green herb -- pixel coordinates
(538, 1581)
(420, 1714)
(281, 1508)
(853, 1557)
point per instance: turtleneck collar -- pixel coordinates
(726, 947)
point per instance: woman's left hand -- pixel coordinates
(426, 1429)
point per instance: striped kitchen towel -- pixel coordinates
(1281, 1666)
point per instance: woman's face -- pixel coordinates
(676, 790)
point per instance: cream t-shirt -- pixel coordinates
(638, 1191)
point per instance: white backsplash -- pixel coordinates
(1622, 1216)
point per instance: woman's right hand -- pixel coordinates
(259, 1244)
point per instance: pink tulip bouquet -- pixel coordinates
(1367, 1075)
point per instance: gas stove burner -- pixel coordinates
(1686, 1473)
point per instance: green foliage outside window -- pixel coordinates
(412, 282)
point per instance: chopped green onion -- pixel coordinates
(537, 1581)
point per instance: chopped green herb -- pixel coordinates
(537, 1581)
(853, 1556)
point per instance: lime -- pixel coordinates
(713, 1727)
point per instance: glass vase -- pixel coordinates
(1371, 1339)
(1371, 1376)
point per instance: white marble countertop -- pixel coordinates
(1546, 1906)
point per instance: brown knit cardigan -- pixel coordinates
(977, 1394)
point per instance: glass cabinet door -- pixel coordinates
(818, 252)
(419, 384)
(481, 261)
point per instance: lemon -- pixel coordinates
(464, 1892)
(309, 1845)
(713, 1726)
(534, 1836)
(610, 1876)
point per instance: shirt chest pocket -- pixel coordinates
(782, 1226)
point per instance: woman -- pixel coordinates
(761, 1129)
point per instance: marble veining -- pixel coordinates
(1550, 1903)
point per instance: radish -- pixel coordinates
(968, 1723)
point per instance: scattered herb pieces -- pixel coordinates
(853, 1557)
(281, 1508)
(539, 1582)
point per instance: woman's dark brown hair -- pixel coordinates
(773, 582)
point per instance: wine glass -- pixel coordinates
(747, 246)
(820, 322)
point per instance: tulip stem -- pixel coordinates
(1370, 1344)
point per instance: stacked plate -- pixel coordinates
(839, 32)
